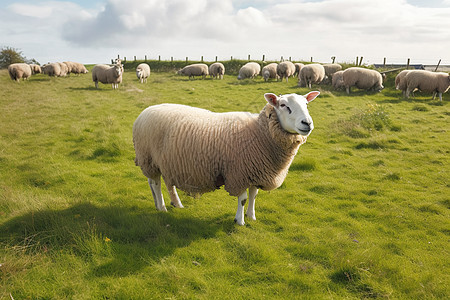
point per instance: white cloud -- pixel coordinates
(180, 28)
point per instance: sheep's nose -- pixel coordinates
(306, 123)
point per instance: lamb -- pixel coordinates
(143, 72)
(337, 80)
(217, 70)
(285, 69)
(199, 151)
(194, 70)
(107, 74)
(270, 71)
(19, 71)
(249, 70)
(309, 74)
(433, 82)
(298, 67)
(53, 69)
(363, 79)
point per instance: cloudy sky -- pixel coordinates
(94, 31)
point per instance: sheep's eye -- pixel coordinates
(287, 107)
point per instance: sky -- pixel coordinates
(95, 31)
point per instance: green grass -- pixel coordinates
(363, 213)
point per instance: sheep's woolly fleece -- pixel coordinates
(235, 149)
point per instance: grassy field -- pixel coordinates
(363, 213)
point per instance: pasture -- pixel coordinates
(363, 213)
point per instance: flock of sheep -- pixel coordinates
(407, 81)
(197, 151)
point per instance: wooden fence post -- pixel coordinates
(333, 58)
(360, 60)
(159, 58)
(263, 57)
(145, 57)
(281, 59)
(216, 58)
(135, 58)
(357, 59)
(407, 64)
(437, 65)
(249, 57)
(187, 59)
(311, 59)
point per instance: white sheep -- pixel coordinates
(76, 67)
(309, 74)
(217, 70)
(64, 69)
(35, 69)
(19, 71)
(198, 151)
(426, 81)
(298, 67)
(195, 70)
(400, 82)
(143, 72)
(52, 69)
(285, 69)
(362, 78)
(337, 80)
(330, 69)
(249, 70)
(107, 74)
(270, 71)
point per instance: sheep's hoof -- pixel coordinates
(239, 223)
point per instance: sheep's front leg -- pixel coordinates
(155, 186)
(239, 219)
(174, 199)
(252, 191)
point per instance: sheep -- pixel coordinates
(35, 69)
(143, 72)
(249, 70)
(270, 71)
(198, 151)
(285, 69)
(337, 80)
(19, 71)
(298, 67)
(330, 69)
(76, 68)
(363, 79)
(52, 69)
(433, 82)
(195, 70)
(107, 74)
(309, 74)
(400, 82)
(64, 69)
(217, 70)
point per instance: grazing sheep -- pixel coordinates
(426, 81)
(19, 71)
(107, 74)
(35, 69)
(198, 151)
(217, 70)
(76, 68)
(400, 82)
(298, 67)
(309, 74)
(330, 69)
(285, 69)
(64, 69)
(363, 79)
(249, 70)
(194, 70)
(53, 69)
(337, 80)
(143, 72)
(270, 71)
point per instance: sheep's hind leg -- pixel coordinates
(252, 192)
(155, 186)
(174, 199)
(239, 219)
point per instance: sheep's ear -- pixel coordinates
(272, 99)
(311, 96)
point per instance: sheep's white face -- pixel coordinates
(292, 111)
